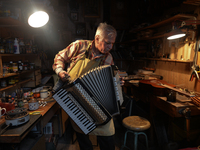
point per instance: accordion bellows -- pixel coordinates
(91, 99)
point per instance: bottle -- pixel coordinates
(1, 47)
(9, 47)
(15, 67)
(16, 46)
(20, 66)
(11, 67)
(21, 46)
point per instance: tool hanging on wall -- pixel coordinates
(195, 66)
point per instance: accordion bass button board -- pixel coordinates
(92, 99)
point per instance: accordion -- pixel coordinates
(92, 99)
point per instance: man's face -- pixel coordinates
(105, 45)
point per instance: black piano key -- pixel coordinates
(87, 123)
(76, 112)
(89, 126)
(73, 107)
(79, 115)
(63, 95)
(69, 104)
(67, 101)
(59, 92)
(82, 119)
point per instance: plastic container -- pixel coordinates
(16, 46)
(15, 67)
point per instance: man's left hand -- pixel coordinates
(121, 81)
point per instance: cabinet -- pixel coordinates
(31, 77)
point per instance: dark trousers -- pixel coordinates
(105, 142)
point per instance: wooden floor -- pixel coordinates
(65, 142)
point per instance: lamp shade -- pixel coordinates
(38, 19)
(175, 34)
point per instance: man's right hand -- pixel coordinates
(64, 76)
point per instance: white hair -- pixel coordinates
(105, 30)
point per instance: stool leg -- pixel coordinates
(125, 137)
(135, 140)
(146, 139)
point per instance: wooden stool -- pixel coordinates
(135, 125)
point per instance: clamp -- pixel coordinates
(195, 73)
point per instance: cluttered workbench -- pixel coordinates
(41, 116)
(169, 102)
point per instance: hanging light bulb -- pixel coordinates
(38, 19)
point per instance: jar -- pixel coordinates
(11, 81)
(32, 65)
(2, 51)
(3, 83)
(26, 65)
(11, 67)
(15, 67)
(33, 104)
(20, 66)
(5, 68)
(22, 47)
(16, 79)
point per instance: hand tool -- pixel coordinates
(195, 67)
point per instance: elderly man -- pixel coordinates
(82, 56)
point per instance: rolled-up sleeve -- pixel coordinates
(63, 57)
(69, 55)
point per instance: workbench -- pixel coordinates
(18, 133)
(172, 109)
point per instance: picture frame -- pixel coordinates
(74, 16)
(92, 8)
(80, 29)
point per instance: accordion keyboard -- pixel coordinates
(74, 110)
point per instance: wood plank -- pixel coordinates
(14, 85)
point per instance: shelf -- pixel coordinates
(179, 16)
(14, 74)
(155, 36)
(11, 86)
(127, 60)
(7, 21)
(144, 39)
(169, 60)
(18, 55)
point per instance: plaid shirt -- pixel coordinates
(74, 52)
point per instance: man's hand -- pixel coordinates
(121, 80)
(64, 76)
